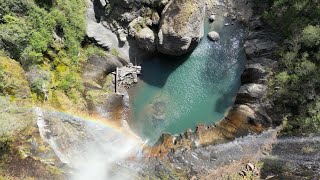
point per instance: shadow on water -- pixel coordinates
(177, 93)
(156, 71)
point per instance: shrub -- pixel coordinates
(311, 36)
(298, 79)
(13, 80)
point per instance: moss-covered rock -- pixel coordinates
(73, 101)
(181, 26)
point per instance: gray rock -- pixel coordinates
(251, 93)
(254, 73)
(149, 22)
(102, 35)
(155, 18)
(212, 18)
(146, 39)
(213, 36)
(122, 35)
(255, 23)
(259, 48)
(124, 3)
(181, 26)
(103, 3)
(128, 17)
(97, 67)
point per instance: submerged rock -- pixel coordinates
(181, 27)
(213, 36)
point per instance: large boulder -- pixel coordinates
(181, 26)
(254, 73)
(213, 36)
(146, 39)
(251, 93)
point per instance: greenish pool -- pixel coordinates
(177, 93)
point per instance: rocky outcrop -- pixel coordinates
(146, 39)
(251, 93)
(181, 26)
(254, 73)
(102, 35)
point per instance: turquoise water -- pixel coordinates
(177, 93)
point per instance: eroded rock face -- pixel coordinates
(254, 73)
(251, 93)
(259, 47)
(146, 39)
(181, 26)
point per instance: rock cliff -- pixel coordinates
(181, 26)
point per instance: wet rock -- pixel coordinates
(213, 36)
(251, 93)
(181, 26)
(254, 73)
(146, 39)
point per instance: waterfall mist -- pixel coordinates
(90, 150)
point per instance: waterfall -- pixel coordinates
(92, 150)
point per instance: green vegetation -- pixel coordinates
(29, 32)
(187, 10)
(13, 82)
(297, 84)
(44, 42)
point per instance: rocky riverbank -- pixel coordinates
(249, 115)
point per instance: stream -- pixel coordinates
(177, 93)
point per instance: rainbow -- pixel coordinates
(118, 126)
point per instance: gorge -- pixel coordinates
(204, 107)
